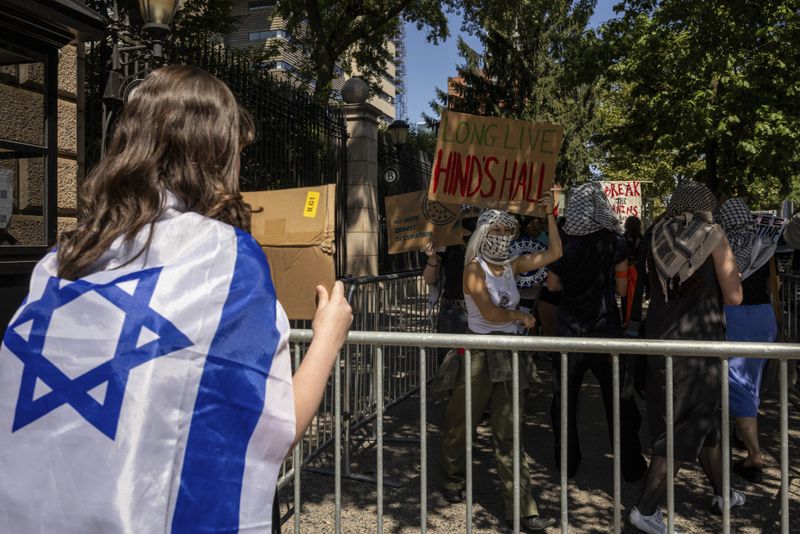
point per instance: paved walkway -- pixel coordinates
(591, 492)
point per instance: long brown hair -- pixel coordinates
(182, 131)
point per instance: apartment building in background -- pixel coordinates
(258, 27)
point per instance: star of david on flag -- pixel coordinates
(96, 394)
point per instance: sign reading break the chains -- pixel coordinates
(625, 198)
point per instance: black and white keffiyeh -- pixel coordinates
(686, 236)
(751, 250)
(492, 248)
(589, 211)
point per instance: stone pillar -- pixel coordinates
(363, 221)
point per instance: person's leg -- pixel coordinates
(547, 317)
(576, 368)
(655, 485)
(711, 462)
(632, 462)
(455, 431)
(747, 430)
(500, 406)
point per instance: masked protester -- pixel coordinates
(753, 320)
(590, 275)
(491, 299)
(691, 275)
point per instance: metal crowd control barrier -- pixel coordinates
(386, 303)
(616, 347)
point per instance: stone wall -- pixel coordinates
(22, 120)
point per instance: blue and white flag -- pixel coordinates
(151, 397)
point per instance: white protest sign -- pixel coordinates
(625, 198)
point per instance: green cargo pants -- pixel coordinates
(497, 396)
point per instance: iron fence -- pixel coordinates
(413, 169)
(299, 141)
(790, 306)
(670, 350)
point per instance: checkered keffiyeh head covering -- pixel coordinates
(488, 221)
(751, 250)
(684, 239)
(589, 211)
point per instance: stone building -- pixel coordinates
(41, 145)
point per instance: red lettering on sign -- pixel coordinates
(438, 169)
(508, 178)
(487, 169)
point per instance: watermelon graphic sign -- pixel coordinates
(493, 162)
(413, 220)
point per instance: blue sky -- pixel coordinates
(428, 66)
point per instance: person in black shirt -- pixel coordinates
(445, 271)
(592, 271)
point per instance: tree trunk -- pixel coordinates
(712, 172)
(325, 75)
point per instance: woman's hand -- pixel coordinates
(430, 249)
(333, 317)
(547, 202)
(525, 319)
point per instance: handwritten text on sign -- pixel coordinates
(625, 198)
(494, 163)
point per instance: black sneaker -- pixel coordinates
(453, 496)
(533, 523)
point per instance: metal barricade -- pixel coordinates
(671, 350)
(386, 303)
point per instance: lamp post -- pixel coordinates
(398, 130)
(131, 60)
(157, 15)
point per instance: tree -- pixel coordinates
(332, 34)
(196, 19)
(715, 85)
(532, 67)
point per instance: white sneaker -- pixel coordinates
(652, 524)
(737, 499)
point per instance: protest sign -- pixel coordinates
(494, 163)
(413, 220)
(769, 226)
(625, 198)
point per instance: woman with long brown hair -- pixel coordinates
(145, 383)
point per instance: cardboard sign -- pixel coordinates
(494, 163)
(769, 226)
(625, 198)
(296, 230)
(412, 220)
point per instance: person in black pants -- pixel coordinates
(592, 271)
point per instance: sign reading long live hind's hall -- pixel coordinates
(493, 162)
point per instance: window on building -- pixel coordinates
(268, 34)
(260, 4)
(28, 148)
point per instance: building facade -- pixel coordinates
(259, 26)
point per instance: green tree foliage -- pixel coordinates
(532, 67)
(709, 90)
(331, 33)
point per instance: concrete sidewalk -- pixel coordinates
(591, 491)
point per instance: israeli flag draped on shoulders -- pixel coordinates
(151, 397)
